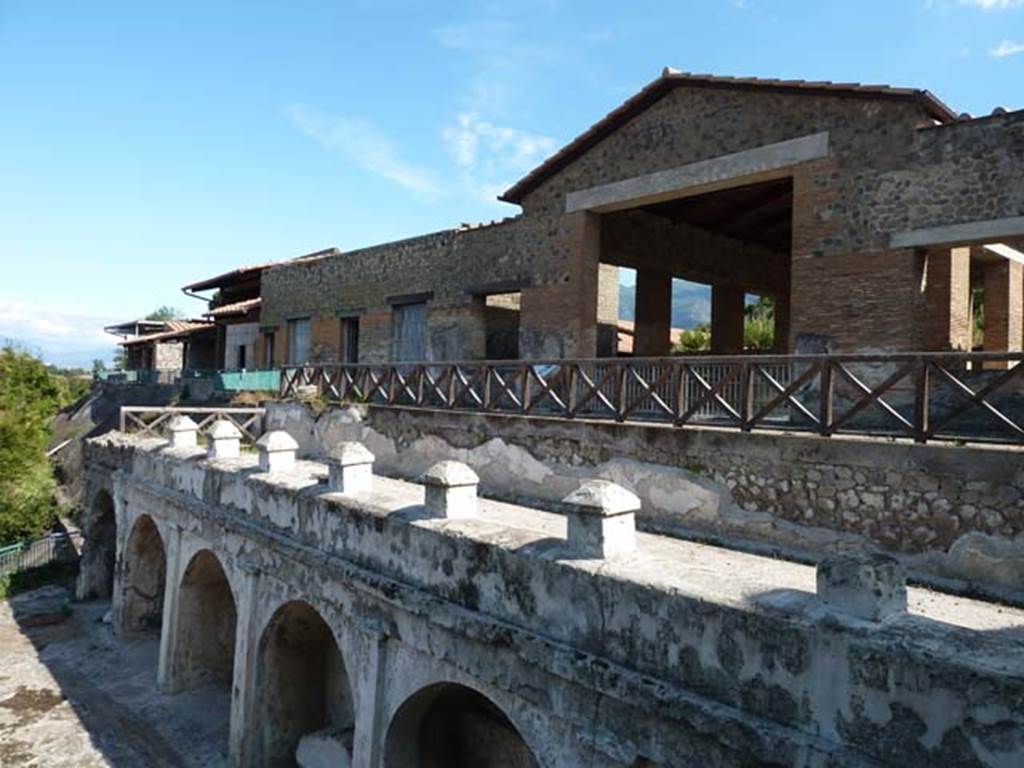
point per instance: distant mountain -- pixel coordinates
(691, 303)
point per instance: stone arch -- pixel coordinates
(143, 578)
(302, 687)
(447, 725)
(204, 651)
(99, 560)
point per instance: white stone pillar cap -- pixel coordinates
(223, 429)
(602, 498)
(350, 453)
(182, 423)
(277, 442)
(450, 474)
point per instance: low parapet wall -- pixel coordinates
(667, 651)
(953, 512)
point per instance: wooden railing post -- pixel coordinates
(921, 397)
(620, 393)
(570, 386)
(825, 407)
(746, 396)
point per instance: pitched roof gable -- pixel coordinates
(672, 78)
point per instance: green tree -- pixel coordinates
(164, 313)
(98, 366)
(759, 325)
(29, 398)
(758, 330)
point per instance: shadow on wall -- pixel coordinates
(452, 726)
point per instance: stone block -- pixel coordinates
(869, 586)
(450, 490)
(601, 519)
(350, 468)
(184, 432)
(277, 451)
(225, 440)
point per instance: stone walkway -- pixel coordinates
(70, 695)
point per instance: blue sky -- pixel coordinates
(147, 145)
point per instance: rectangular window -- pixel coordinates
(298, 341)
(268, 351)
(241, 356)
(409, 332)
(349, 352)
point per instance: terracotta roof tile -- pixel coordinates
(235, 308)
(176, 329)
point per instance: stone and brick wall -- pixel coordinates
(889, 169)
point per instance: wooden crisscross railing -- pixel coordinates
(925, 396)
(152, 421)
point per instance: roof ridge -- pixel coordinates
(669, 79)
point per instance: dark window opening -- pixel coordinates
(409, 332)
(349, 352)
(502, 326)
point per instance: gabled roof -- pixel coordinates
(135, 327)
(234, 276)
(177, 329)
(672, 78)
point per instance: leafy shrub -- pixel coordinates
(30, 396)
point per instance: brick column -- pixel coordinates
(652, 332)
(781, 341)
(1004, 304)
(947, 300)
(559, 319)
(726, 319)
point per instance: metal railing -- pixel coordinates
(921, 396)
(152, 421)
(55, 547)
(223, 380)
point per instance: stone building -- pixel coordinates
(180, 344)
(234, 311)
(862, 211)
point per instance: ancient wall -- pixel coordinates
(452, 269)
(951, 512)
(168, 356)
(235, 336)
(668, 653)
(958, 173)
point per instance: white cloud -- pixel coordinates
(65, 337)
(490, 157)
(361, 142)
(994, 5)
(1007, 48)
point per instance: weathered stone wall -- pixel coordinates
(168, 356)
(958, 173)
(678, 653)
(952, 512)
(235, 336)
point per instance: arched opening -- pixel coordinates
(205, 648)
(303, 688)
(100, 556)
(143, 576)
(452, 726)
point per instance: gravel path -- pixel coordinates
(72, 695)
